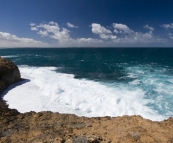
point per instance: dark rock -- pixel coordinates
(9, 73)
(80, 140)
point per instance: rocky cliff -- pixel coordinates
(48, 127)
(9, 73)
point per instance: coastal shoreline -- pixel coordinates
(68, 128)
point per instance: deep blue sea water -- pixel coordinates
(94, 81)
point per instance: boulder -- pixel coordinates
(9, 73)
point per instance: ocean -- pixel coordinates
(93, 82)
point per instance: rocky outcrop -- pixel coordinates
(48, 127)
(9, 73)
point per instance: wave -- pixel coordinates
(9, 56)
(49, 90)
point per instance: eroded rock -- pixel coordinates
(9, 73)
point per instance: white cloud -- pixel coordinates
(89, 40)
(104, 36)
(32, 24)
(42, 33)
(71, 25)
(149, 27)
(116, 31)
(80, 42)
(129, 36)
(140, 38)
(9, 40)
(34, 28)
(62, 36)
(53, 23)
(170, 36)
(121, 28)
(102, 31)
(122, 35)
(52, 30)
(167, 26)
(98, 29)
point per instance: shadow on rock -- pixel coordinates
(23, 81)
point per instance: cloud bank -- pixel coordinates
(116, 35)
(62, 35)
(9, 40)
(123, 35)
(167, 26)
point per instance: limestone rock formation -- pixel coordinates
(9, 73)
(48, 127)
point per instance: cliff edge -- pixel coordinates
(48, 127)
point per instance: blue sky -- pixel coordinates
(86, 23)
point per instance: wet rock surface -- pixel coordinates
(48, 127)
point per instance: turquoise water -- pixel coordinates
(134, 77)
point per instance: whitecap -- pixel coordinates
(48, 90)
(9, 56)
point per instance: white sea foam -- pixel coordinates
(9, 56)
(135, 82)
(48, 90)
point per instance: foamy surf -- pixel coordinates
(48, 90)
(9, 56)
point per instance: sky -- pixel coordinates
(86, 23)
